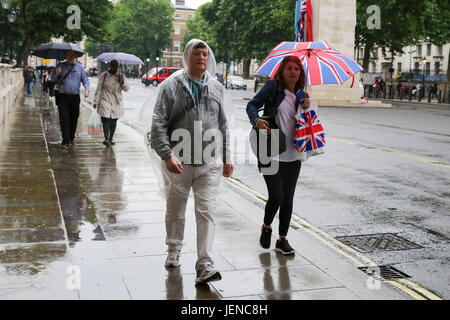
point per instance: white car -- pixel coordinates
(237, 82)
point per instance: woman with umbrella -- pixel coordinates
(108, 100)
(280, 98)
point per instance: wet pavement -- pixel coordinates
(88, 223)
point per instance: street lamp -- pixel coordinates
(10, 15)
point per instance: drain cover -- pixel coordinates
(384, 272)
(378, 242)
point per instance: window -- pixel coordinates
(419, 50)
(176, 63)
(189, 16)
(177, 16)
(177, 29)
(176, 46)
(164, 62)
(439, 50)
(437, 68)
(399, 67)
(428, 69)
(416, 67)
(429, 49)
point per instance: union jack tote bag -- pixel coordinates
(309, 134)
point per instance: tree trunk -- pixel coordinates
(246, 70)
(366, 59)
(24, 52)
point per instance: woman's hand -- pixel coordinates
(95, 106)
(263, 125)
(306, 103)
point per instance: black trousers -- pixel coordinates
(69, 111)
(281, 189)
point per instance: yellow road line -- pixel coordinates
(412, 293)
(360, 260)
(398, 154)
(420, 289)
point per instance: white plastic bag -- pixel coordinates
(94, 124)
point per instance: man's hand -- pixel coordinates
(174, 165)
(227, 170)
(86, 94)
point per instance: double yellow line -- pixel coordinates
(349, 253)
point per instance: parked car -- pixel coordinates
(92, 72)
(154, 78)
(237, 82)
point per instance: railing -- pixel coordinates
(11, 89)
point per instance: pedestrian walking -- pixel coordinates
(30, 79)
(45, 78)
(191, 102)
(51, 82)
(70, 75)
(256, 83)
(280, 99)
(108, 100)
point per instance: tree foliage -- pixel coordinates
(141, 26)
(39, 21)
(243, 30)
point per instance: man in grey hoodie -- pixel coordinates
(190, 108)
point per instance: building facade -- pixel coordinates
(424, 59)
(173, 54)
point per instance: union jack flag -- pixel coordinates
(302, 15)
(309, 135)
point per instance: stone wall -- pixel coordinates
(11, 90)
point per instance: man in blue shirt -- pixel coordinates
(70, 75)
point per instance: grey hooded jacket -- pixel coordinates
(201, 123)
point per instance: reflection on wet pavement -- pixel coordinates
(98, 210)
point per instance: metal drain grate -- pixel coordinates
(384, 272)
(378, 242)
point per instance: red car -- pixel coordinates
(156, 78)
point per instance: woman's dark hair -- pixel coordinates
(301, 80)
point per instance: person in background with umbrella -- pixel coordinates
(108, 100)
(280, 98)
(70, 75)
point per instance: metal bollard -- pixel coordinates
(448, 97)
(391, 92)
(429, 95)
(410, 94)
(439, 96)
(401, 94)
(419, 95)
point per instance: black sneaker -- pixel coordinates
(64, 146)
(106, 143)
(283, 247)
(264, 240)
(111, 142)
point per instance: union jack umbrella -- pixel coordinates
(309, 135)
(323, 63)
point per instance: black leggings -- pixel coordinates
(109, 127)
(281, 188)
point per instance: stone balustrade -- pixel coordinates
(11, 89)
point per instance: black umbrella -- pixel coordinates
(56, 50)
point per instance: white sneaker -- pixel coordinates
(207, 274)
(173, 259)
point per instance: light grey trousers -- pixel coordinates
(204, 181)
